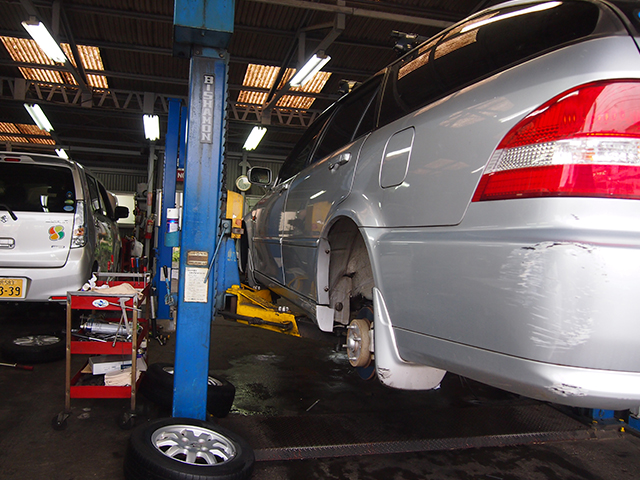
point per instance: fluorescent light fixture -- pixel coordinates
(39, 117)
(151, 127)
(254, 138)
(43, 38)
(535, 8)
(306, 73)
(62, 153)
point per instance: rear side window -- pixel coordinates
(480, 47)
(347, 120)
(97, 202)
(36, 188)
(297, 159)
(339, 125)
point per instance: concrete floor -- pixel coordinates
(294, 393)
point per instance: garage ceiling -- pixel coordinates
(128, 66)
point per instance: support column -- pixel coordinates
(200, 229)
(172, 140)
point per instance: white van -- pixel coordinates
(57, 226)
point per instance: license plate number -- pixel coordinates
(12, 288)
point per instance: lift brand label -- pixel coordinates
(206, 115)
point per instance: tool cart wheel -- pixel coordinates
(37, 348)
(127, 420)
(157, 386)
(186, 449)
(59, 422)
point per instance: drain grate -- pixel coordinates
(427, 445)
(340, 435)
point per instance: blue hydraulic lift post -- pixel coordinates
(172, 140)
(184, 115)
(200, 222)
(202, 30)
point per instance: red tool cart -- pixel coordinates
(116, 327)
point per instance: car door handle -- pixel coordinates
(341, 160)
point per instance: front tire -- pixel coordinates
(186, 449)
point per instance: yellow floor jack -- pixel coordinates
(248, 305)
(254, 307)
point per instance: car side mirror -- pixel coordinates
(259, 176)
(121, 212)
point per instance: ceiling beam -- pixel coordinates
(359, 12)
(414, 18)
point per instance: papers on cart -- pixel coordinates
(122, 378)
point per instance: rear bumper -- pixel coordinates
(45, 283)
(538, 297)
(574, 386)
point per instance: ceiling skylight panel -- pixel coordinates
(252, 98)
(10, 132)
(26, 50)
(315, 85)
(264, 76)
(257, 76)
(91, 60)
(260, 76)
(6, 129)
(295, 101)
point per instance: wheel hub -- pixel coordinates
(358, 342)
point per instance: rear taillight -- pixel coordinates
(583, 143)
(79, 237)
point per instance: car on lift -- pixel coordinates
(58, 224)
(474, 208)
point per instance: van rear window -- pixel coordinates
(37, 188)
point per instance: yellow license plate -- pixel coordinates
(12, 288)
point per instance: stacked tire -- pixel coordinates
(157, 386)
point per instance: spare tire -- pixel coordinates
(36, 348)
(157, 386)
(186, 449)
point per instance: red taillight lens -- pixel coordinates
(585, 142)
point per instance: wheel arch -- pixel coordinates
(344, 268)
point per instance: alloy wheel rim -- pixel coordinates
(36, 340)
(193, 445)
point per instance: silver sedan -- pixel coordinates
(475, 208)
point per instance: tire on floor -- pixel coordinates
(186, 449)
(157, 386)
(34, 348)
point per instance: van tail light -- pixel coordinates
(582, 143)
(79, 237)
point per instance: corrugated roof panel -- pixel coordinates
(295, 101)
(260, 76)
(251, 98)
(25, 50)
(91, 60)
(7, 129)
